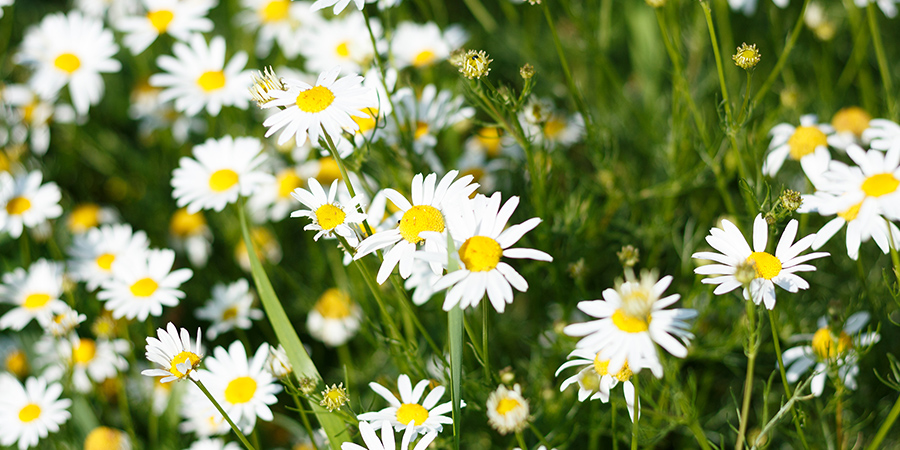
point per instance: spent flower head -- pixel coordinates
(746, 57)
(474, 64)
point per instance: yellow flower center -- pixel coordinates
(553, 127)
(489, 137)
(805, 140)
(144, 287)
(852, 119)
(827, 346)
(16, 363)
(315, 100)
(328, 171)
(366, 123)
(287, 182)
(630, 324)
(343, 50)
(84, 217)
(105, 438)
(850, 214)
(160, 19)
(420, 218)
(767, 265)
(505, 405)
(421, 130)
(275, 11)
(874, 186)
(230, 313)
(408, 412)
(334, 304)
(240, 390)
(424, 58)
(211, 80)
(181, 358)
(105, 261)
(602, 368)
(184, 224)
(84, 352)
(18, 206)
(329, 216)
(36, 301)
(67, 62)
(222, 180)
(30, 412)
(480, 253)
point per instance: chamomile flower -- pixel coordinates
(229, 308)
(277, 363)
(595, 381)
(410, 409)
(849, 124)
(328, 216)
(201, 417)
(428, 114)
(268, 249)
(69, 49)
(387, 441)
(339, 5)
(64, 322)
(31, 412)
(214, 444)
(779, 268)
(797, 143)
(881, 134)
(279, 21)
(93, 253)
(35, 294)
(178, 19)
(481, 240)
(334, 319)
(827, 350)
(189, 233)
(343, 41)
(426, 212)
(748, 7)
(172, 351)
(507, 410)
(421, 45)
(311, 111)
(89, 361)
(547, 126)
(272, 200)
(876, 179)
(25, 202)
(862, 219)
(220, 171)
(243, 388)
(30, 115)
(632, 321)
(143, 284)
(86, 216)
(197, 77)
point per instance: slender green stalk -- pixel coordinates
(612, 425)
(521, 440)
(482, 15)
(637, 419)
(718, 56)
(234, 427)
(782, 59)
(773, 324)
(895, 258)
(885, 426)
(539, 435)
(744, 110)
(484, 338)
(699, 435)
(379, 64)
(456, 348)
(748, 381)
(303, 417)
(340, 162)
(124, 409)
(882, 60)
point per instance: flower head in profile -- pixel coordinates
(173, 353)
(596, 381)
(507, 410)
(410, 410)
(30, 412)
(632, 320)
(387, 442)
(328, 216)
(771, 269)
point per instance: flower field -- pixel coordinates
(414, 224)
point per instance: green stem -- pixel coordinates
(634, 423)
(303, 417)
(699, 435)
(234, 427)
(539, 435)
(482, 15)
(746, 98)
(882, 60)
(24, 249)
(718, 55)
(521, 440)
(885, 426)
(748, 381)
(782, 59)
(787, 390)
(484, 339)
(125, 410)
(456, 348)
(612, 425)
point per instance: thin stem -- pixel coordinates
(637, 419)
(24, 249)
(748, 381)
(782, 59)
(885, 426)
(612, 425)
(839, 420)
(746, 98)
(484, 339)
(721, 70)
(699, 435)
(521, 440)
(482, 15)
(124, 410)
(303, 417)
(538, 434)
(895, 258)
(787, 390)
(234, 427)
(455, 328)
(882, 60)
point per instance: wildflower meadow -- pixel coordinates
(473, 224)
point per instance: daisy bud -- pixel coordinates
(277, 362)
(334, 398)
(526, 71)
(308, 385)
(629, 256)
(474, 64)
(747, 56)
(790, 200)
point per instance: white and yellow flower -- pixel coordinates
(189, 233)
(35, 294)
(173, 353)
(178, 19)
(272, 200)
(30, 116)
(279, 21)
(230, 307)
(849, 124)
(862, 219)
(31, 412)
(328, 216)
(801, 143)
(214, 444)
(422, 45)
(334, 319)
(88, 361)
(64, 322)
(876, 179)
(410, 410)
(143, 284)
(881, 134)
(220, 171)
(105, 438)
(343, 41)
(86, 216)
(427, 115)
(387, 442)
(25, 202)
(596, 381)
(507, 410)
(94, 252)
(779, 268)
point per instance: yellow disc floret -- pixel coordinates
(329, 216)
(160, 19)
(424, 58)
(222, 180)
(852, 119)
(480, 253)
(505, 405)
(334, 304)
(67, 62)
(181, 358)
(767, 265)
(805, 140)
(240, 390)
(105, 261)
(287, 182)
(881, 184)
(275, 11)
(420, 218)
(630, 324)
(850, 214)
(144, 287)
(17, 206)
(211, 80)
(315, 100)
(84, 352)
(36, 301)
(184, 224)
(408, 412)
(29, 413)
(827, 346)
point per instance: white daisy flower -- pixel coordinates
(94, 252)
(215, 444)
(779, 268)
(178, 19)
(189, 233)
(154, 114)
(507, 410)
(272, 200)
(881, 134)
(877, 179)
(748, 7)
(334, 319)
(69, 49)
(633, 319)
(220, 171)
(427, 115)
(198, 77)
(279, 21)
(114, 11)
(31, 412)
(229, 308)
(421, 45)
(268, 250)
(849, 124)
(277, 363)
(343, 41)
(85, 216)
(88, 361)
(826, 350)
(543, 124)
(421, 282)
(172, 351)
(481, 240)
(862, 219)
(596, 381)
(328, 216)
(367, 431)
(243, 388)
(201, 417)
(25, 202)
(30, 116)
(430, 205)
(64, 322)
(142, 285)
(309, 110)
(35, 294)
(797, 143)
(410, 410)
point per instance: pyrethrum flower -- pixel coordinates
(779, 268)
(632, 321)
(198, 77)
(230, 307)
(481, 240)
(423, 416)
(35, 294)
(862, 219)
(875, 180)
(797, 143)
(507, 410)
(30, 412)
(327, 107)
(328, 216)
(334, 319)
(70, 49)
(387, 441)
(596, 381)
(142, 285)
(746, 57)
(94, 252)
(172, 351)
(25, 202)
(339, 5)
(342, 41)
(221, 170)
(178, 19)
